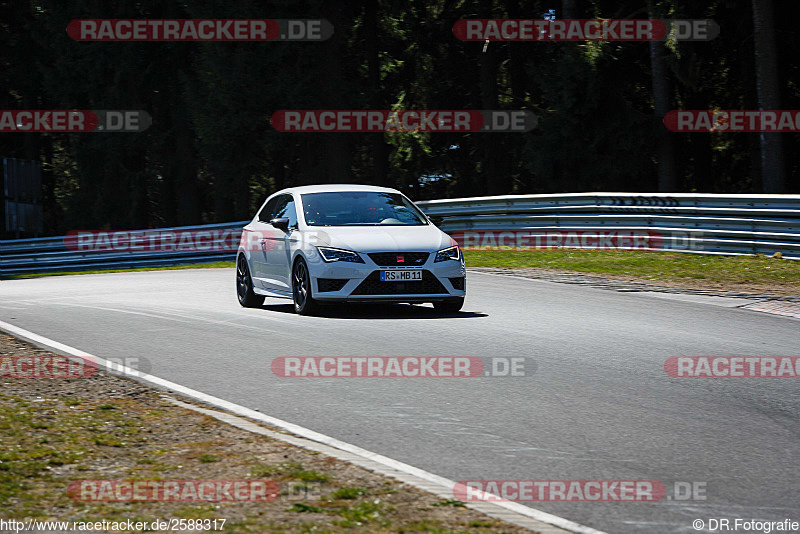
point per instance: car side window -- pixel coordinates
(266, 213)
(286, 208)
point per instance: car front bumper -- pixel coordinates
(360, 282)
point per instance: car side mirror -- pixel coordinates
(281, 223)
(437, 220)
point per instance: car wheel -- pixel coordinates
(304, 303)
(244, 286)
(449, 305)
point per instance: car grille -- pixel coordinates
(372, 285)
(325, 285)
(392, 258)
(458, 283)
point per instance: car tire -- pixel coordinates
(304, 303)
(449, 305)
(244, 285)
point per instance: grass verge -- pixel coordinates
(737, 273)
(55, 431)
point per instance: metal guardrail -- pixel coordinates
(51, 254)
(699, 223)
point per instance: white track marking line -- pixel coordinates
(426, 481)
(171, 316)
(118, 310)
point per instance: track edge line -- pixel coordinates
(548, 520)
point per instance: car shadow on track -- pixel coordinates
(377, 311)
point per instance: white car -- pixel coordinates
(347, 243)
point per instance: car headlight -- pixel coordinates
(336, 254)
(452, 253)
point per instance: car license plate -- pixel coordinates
(401, 276)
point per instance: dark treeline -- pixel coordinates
(211, 155)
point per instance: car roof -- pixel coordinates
(332, 188)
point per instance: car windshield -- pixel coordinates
(360, 208)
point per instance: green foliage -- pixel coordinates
(347, 493)
(211, 155)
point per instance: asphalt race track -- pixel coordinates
(596, 403)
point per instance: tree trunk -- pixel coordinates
(380, 151)
(336, 145)
(568, 10)
(667, 177)
(772, 161)
(493, 182)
